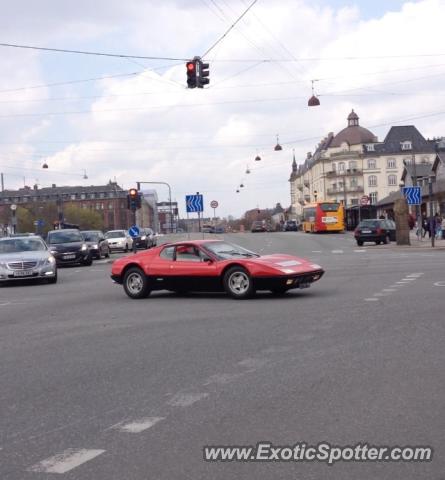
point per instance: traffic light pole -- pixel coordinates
(169, 198)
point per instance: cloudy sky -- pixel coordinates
(133, 119)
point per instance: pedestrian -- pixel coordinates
(443, 227)
(426, 227)
(438, 226)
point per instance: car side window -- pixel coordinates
(168, 253)
(187, 253)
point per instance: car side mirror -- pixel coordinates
(207, 259)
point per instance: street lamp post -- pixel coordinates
(430, 195)
(169, 198)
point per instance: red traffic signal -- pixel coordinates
(134, 200)
(191, 74)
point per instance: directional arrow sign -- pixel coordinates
(194, 203)
(413, 195)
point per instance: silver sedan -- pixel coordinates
(26, 258)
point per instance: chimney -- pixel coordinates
(309, 155)
(36, 187)
(53, 185)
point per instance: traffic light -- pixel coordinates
(191, 74)
(203, 73)
(133, 199)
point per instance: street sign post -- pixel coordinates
(133, 231)
(214, 204)
(364, 200)
(413, 195)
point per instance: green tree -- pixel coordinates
(86, 219)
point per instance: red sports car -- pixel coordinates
(211, 266)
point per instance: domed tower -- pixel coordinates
(353, 134)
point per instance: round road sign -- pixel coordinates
(364, 200)
(214, 204)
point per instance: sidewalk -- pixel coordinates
(424, 243)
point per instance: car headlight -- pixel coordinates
(84, 247)
(51, 260)
(95, 246)
(143, 237)
(53, 252)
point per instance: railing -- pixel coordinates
(350, 189)
(347, 172)
(300, 186)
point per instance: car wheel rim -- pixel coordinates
(239, 282)
(134, 283)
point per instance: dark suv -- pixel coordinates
(258, 226)
(373, 230)
(68, 247)
(97, 243)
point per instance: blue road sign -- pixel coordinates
(194, 203)
(133, 231)
(413, 195)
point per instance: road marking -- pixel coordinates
(360, 251)
(65, 461)
(337, 251)
(138, 426)
(371, 299)
(439, 284)
(317, 251)
(414, 275)
(253, 362)
(389, 290)
(402, 282)
(186, 399)
(223, 378)
(410, 279)
(380, 294)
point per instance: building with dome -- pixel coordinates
(352, 164)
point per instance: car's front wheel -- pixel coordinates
(53, 279)
(136, 283)
(238, 283)
(360, 243)
(88, 261)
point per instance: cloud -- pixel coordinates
(150, 127)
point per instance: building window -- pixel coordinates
(354, 201)
(334, 167)
(353, 182)
(341, 167)
(73, 196)
(352, 165)
(392, 180)
(110, 206)
(371, 163)
(406, 145)
(373, 198)
(391, 163)
(372, 181)
(83, 196)
(370, 147)
(97, 206)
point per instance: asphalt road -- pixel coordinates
(95, 386)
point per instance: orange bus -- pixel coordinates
(323, 217)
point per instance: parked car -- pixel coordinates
(69, 247)
(373, 230)
(97, 243)
(290, 226)
(258, 226)
(119, 240)
(212, 266)
(26, 258)
(391, 226)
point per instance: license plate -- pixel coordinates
(69, 257)
(366, 231)
(23, 273)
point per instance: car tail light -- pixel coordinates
(379, 231)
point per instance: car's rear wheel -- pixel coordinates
(238, 283)
(360, 243)
(136, 283)
(107, 255)
(126, 247)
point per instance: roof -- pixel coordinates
(353, 134)
(402, 133)
(390, 199)
(28, 191)
(419, 170)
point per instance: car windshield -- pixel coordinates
(15, 245)
(90, 236)
(116, 234)
(329, 207)
(64, 237)
(224, 250)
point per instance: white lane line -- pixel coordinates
(402, 282)
(439, 284)
(253, 362)
(360, 251)
(380, 294)
(223, 378)
(186, 399)
(65, 461)
(317, 251)
(389, 290)
(138, 426)
(337, 251)
(371, 299)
